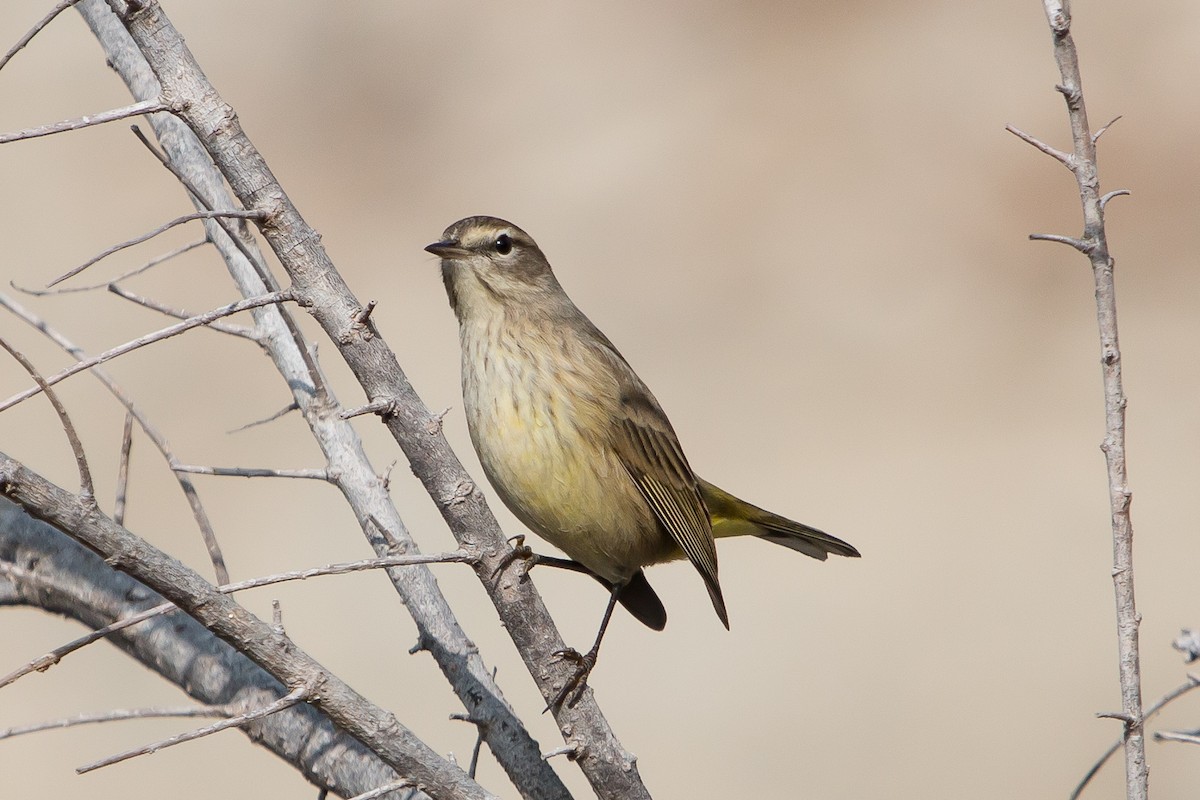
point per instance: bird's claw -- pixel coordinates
(520, 550)
(584, 663)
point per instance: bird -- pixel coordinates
(573, 441)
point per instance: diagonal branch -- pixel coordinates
(44, 569)
(151, 338)
(258, 640)
(86, 488)
(116, 248)
(610, 769)
(518, 753)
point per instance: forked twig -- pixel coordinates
(116, 248)
(150, 338)
(44, 662)
(156, 437)
(290, 699)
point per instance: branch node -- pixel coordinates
(384, 407)
(571, 751)
(434, 426)
(1114, 193)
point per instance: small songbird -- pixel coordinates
(573, 441)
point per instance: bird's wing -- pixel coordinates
(650, 452)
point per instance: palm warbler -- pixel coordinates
(573, 441)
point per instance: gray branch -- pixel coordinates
(65, 578)
(440, 634)
(610, 769)
(1094, 244)
(271, 650)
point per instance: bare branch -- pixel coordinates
(282, 658)
(289, 408)
(383, 407)
(145, 302)
(1066, 159)
(44, 662)
(610, 769)
(254, 259)
(117, 715)
(1177, 736)
(382, 790)
(1078, 244)
(517, 752)
(151, 338)
(167, 256)
(66, 578)
(236, 214)
(86, 488)
(137, 109)
(123, 470)
(293, 697)
(1179, 691)
(159, 441)
(254, 472)
(1096, 136)
(1110, 195)
(60, 7)
(1083, 165)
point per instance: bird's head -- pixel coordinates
(489, 260)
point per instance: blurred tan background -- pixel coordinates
(806, 228)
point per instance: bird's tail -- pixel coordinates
(640, 599)
(734, 517)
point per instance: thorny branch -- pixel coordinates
(1094, 244)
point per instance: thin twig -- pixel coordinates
(117, 715)
(156, 437)
(178, 313)
(289, 408)
(62, 6)
(382, 407)
(297, 695)
(1179, 691)
(254, 472)
(379, 730)
(1177, 736)
(86, 488)
(154, 262)
(1081, 245)
(150, 338)
(116, 248)
(254, 260)
(1096, 136)
(87, 121)
(382, 790)
(1066, 159)
(48, 660)
(123, 470)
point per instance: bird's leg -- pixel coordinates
(587, 662)
(523, 551)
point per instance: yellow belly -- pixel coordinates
(540, 434)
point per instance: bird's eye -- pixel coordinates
(503, 244)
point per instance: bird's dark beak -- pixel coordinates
(448, 248)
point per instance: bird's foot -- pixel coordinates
(520, 550)
(573, 688)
